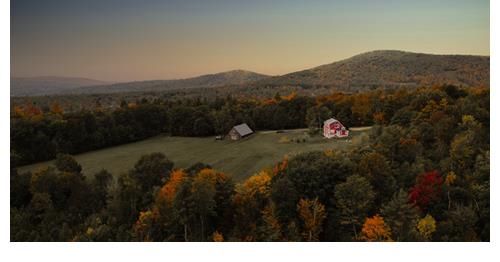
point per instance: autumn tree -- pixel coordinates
(143, 227)
(312, 214)
(249, 201)
(217, 237)
(375, 229)
(164, 201)
(198, 202)
(427, 190)
(165, 197)
(426, 227)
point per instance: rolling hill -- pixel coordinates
(383, 68)
(388, 68)
(48, 85)
(235, 77)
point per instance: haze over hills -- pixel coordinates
(384, 68)
(234, 77)
(48, 85)
(40, 86)
(390, 68)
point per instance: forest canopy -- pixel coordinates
(423, 176)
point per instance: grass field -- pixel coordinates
(237, 158)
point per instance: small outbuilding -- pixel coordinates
(240, 131)
(333, 128)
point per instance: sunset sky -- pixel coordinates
(122, 40)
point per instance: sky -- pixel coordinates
(126, 40)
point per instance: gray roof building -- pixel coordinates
(239, 131)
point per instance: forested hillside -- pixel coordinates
(366, 71)
(424, 176)
(391, 69)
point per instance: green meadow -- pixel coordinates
(240, 159)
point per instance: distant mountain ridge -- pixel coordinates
(391, 68)
(234, 77)
(382, 68)
(49, 85)
(60, 85)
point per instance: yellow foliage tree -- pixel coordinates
(375, 229)
(271, 223)
(248, 203)
(450, 178)
(217, 237)
(213, 176)
(257, 184)
(312, 213)
(426, 226)
(144, 225)
(18, 111)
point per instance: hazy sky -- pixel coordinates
(121, 40)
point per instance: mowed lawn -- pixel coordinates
(239, 159)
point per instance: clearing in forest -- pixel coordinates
(240, 159)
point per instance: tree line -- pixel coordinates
(39, 134)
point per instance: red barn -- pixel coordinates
(333, 128)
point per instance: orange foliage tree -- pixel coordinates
(375, 229)
(217, 237)
(166, 194)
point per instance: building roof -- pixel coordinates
(331, 120)
(243, 129)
